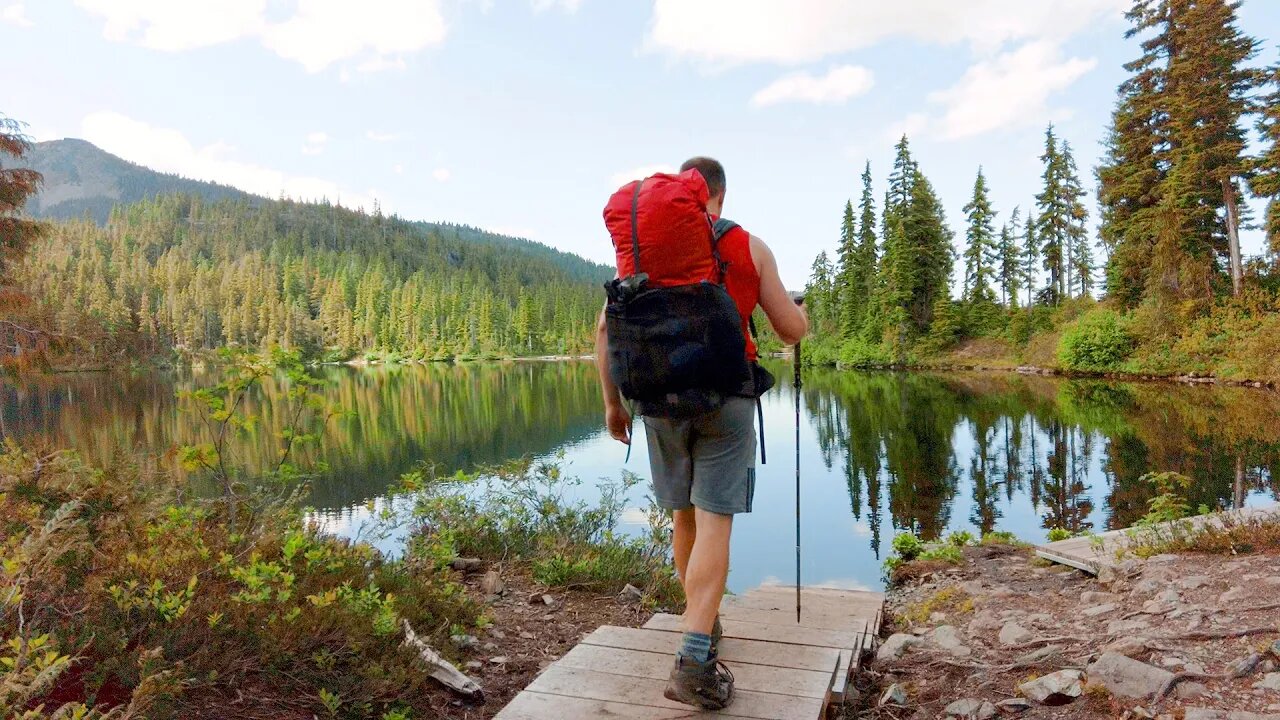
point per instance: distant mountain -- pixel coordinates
(83, 180)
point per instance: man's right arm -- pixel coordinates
(616, 417)
(789, 320)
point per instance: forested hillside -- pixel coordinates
(180, 273)
(1177, 293)
(82, 180)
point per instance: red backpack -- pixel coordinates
(676, 346)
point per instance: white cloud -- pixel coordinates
(617, 180)
(169, 150)
(1007, 91)
(728, 32)
(315, 143)
(15, 14)
(442, 174)
(838, 85)
(381, 136)
(911, 125)
(569, 6)
(374, 33)
(398, 169)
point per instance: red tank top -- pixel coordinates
(741, 279)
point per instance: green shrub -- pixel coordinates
(1099, 341)
(857, 352)
(944, 552)
(1057, 534)
(1001, 537)
(907, 546)
(961, 538)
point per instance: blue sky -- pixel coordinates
(522, 115)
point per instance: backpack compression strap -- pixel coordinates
(635, 230)
(720, 228)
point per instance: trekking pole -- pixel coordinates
(796, 384)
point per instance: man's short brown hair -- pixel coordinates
(711, 170)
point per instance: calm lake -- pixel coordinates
(880, 452)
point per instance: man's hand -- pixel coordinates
(618, 421)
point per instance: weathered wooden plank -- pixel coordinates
(593, 685)
(1090, 554)
(732, 650)
(657, 666)
(539, 706)
(826, 603)
(779, 633)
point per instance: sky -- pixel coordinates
(522, 116)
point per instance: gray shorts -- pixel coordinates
(708, 462)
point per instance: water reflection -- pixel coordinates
(881, 452)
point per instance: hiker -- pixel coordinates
(678, 260)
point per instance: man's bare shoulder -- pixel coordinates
(761, 255)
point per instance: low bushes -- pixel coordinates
(1099, 341)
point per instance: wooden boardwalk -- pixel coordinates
(782, 670)
(1092, 553)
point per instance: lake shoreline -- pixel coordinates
(1189, 378)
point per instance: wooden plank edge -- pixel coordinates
(1064, 559)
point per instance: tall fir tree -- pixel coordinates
(928, 244)
(846, 281)
(865, 258)
(1053, 225)
(980, 255)
(1079, 254)
(1134, 166)
(1265, 182)
(1171, 181)
(1030, 258)
(1009, 264)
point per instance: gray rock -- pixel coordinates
(1234, 595)
(492, 584)
(1040, 655)
(1193, 582)
(895, 647)
(1058, 688)
(1204, 714)
(1097, 610)
(983, 623)
(467, 565)
(972, 587)
(970, 709)
(947, 638)
(1130, 646)
(1012, 634)
(630, 595)
(1169, 597)
(1125, 627)
(1127, 677)
(499, 660)
(1090, 597)
(474, 664)
(1190, 690)
(893, 695)
(1013, 706)
(1147, 586)
(1275, 649)
(1270, 681)
(465, 642)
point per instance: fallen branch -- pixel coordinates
(1047, 641)
(1222, 634)
(1243, 668)
(441, 669)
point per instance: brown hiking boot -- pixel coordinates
(706, 685)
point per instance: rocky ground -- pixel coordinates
(532, 627)
(1188, 637)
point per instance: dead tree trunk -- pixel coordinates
(1233, 234)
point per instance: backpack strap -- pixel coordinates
(635, 229)
(720, 228)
